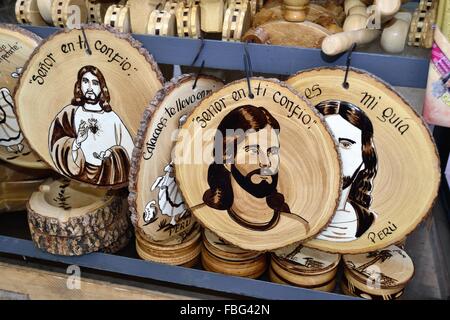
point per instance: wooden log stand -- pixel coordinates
(232, 193)
(161, 217)
(92, 115)
(381, 140)
(68, 218)
(13, 146)
(378, 275)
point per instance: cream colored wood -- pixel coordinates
(118, 17)
(340, 42)
(351, 287)
(188, 21)
(171, 6)
(212, 12)
(155, 199)
(392, 202)
(237, 21)
(162, 23)
(276, 278)
(393, 38)
(125, 76)
(16, 48)
(27, 12)
(349, 4)
(45, 9)
(295, 10)
(387, 8)
(62, 12)
(97, 11)
(140, 11)
(259, 226)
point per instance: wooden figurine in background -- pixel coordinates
(118, 17)
(295, 10)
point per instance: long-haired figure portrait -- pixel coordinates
(243, 178)
(353, 132)
(87, 139)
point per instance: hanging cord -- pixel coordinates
(248, 70)
(345, 84)
(88, 47)
(202, 46)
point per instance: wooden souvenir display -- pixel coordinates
(222, 257)
(252, 196)
(97, 11)
(118, 17)
(304, 267)
(172, 5)
(69, 218)
(381, 141)
(72, 105)
(379, 275)
(343, 41)
(45, 10)
(303, 34)
(15, 49)
(212, 12)
(394, 36)
(159, 211)
(188, 21)
(64, 15)
(295, 10)
(140, 11)
(237, 20)
(421, 29)
(162, 23)
(27, 12)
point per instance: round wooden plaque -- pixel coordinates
(155, 199)
(16, 47)
(390, 164)
(265, 195)
(81, 111)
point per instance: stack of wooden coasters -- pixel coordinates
(304, 267)
(222, 257)
(69, 218)
(379, 275)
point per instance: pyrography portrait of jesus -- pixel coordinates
(87, 139)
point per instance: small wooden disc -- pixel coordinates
(388, 269)
(381, 141)
(155, 199)
(118, 17)
(162, 23)
(276, 278)
(66, 208)
(251, 197)
(15, 50)
(83, 126)
(140, 11)
(64, 14)
(27, 12)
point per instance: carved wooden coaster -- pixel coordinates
(16, 47)
(188, 21)
(140, 11)
(155, 199)
(69, 12)
(69, 218)
(304, 267)
(118, 17)
(27, 12)
(379, 275)
(236, 21)
(162, 23)
(249, 169)
(390, 164)
(83, 126)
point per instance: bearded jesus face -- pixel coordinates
(90, 87)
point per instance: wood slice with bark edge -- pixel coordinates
(97, 11)
(388, 269)
(14, 148)
(236, 21)
(120, 243)
(188, 21)
(162, 23)
(27, 12)
(400, 200)
(45, 10)
(192, 172)
(148, 166)
(349, 289)
(87, 243)
(276, 278)
(143, 79)
(288, 273)
(67, 208)
(212, 12)
(14, 195)
(305, 261)
(224, 250)
(61, 12)
(252, 268)
(302, 34)
(180, 254)
(140, 11)
(118, 17)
